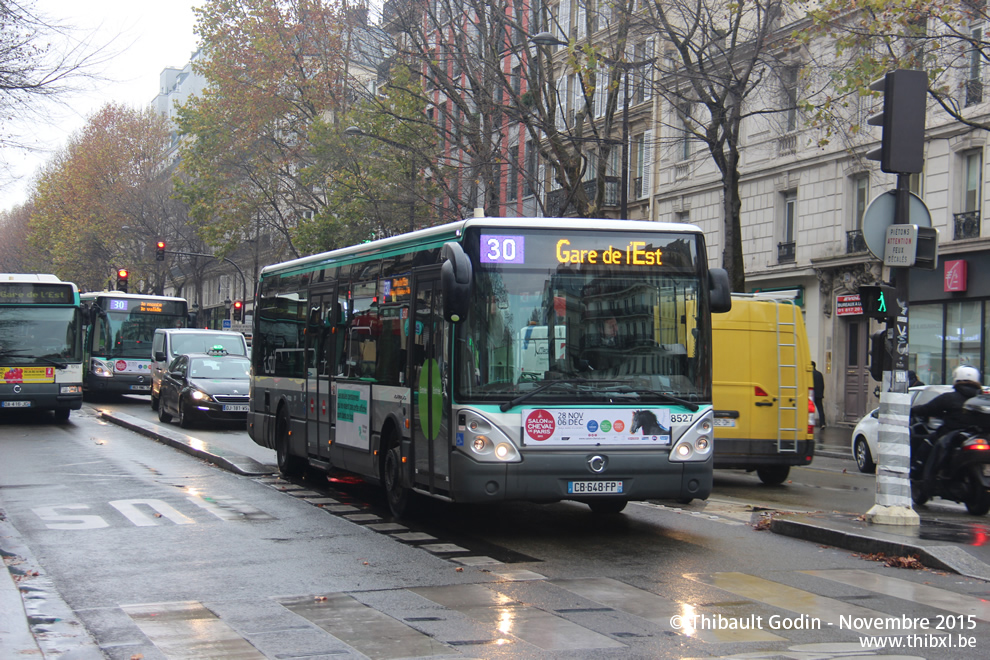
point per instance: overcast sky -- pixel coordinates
(146, 37)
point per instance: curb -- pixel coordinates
(227, 460)
(34, 620)
(934, 555)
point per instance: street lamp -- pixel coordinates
(357, 131)
(548, 39)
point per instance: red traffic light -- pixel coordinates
(122, 273)
(238, 304)
(161, 245)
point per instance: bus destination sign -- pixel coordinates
(511, 249)
(19, 293)
(145, 306)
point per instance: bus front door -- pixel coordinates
(319, 363)
(429, 371)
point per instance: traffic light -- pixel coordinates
(160, 251)
(902, 147)
(879, 302)
(880, 358)
(238, 310)
(122, 275)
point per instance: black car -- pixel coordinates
(205, 387)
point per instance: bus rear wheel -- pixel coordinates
(398, 496)
(288, 465)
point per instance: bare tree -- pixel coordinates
(717, 59)
(41, 61)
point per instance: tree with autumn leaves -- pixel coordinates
(263, 147)
(104, 199)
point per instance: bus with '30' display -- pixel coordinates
(117, 340)
(489, 360)
(40, 352)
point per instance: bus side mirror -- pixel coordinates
(314, 320)
(719, 292)
(455, 279)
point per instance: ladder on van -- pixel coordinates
(788, 427)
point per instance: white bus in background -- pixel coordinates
(40, 348)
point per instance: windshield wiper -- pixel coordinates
(690, 405)
(512, 403)
(550, 383)
(18, 352)
(58, 365)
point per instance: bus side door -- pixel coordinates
(429, 372)
(320, 361)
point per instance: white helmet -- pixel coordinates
(966, 374)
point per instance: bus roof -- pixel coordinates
(437, 236)
(31, 278)
(92, 295)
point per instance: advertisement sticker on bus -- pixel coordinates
(27, 374)
(556, 426)
(352, 415)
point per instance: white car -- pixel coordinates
(864, 436)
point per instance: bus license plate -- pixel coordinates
(235, 407)
(724, 421)
(16, 404)
(140, 388)
(593, 487)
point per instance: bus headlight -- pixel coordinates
(696, 443)
(70, 389)
(486, 441)
(100, 368)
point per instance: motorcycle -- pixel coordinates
(963, 472)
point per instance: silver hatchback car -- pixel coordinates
(864, 436)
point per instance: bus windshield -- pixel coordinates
(585, 316)
(127, 328)
(30, 334)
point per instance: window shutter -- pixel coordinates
(647, 165)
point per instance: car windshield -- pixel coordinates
(214, 369)
(188, 342)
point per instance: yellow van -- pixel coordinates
(762, 387)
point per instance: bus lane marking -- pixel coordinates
(130, 510)
(57, 520)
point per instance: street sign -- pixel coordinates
(902, 245)
(226, 324)
(880, 214)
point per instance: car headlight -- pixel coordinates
(199, 395)
(483, 441)
(696, 443)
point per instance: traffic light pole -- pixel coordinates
(892, 505)
(213, 256)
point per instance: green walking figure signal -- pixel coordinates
(874, 300)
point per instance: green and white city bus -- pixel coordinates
(40, 351)
(118, 336)
(422, 362)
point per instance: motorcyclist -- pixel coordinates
(949, 408)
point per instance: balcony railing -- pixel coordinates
(967, 224)
(787, 145)
(974, 91)
(785, 253)
(556, 198)
(855, 241)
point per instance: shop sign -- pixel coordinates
(955, 275)
(848, 305)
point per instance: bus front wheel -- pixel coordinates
(288, 465)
